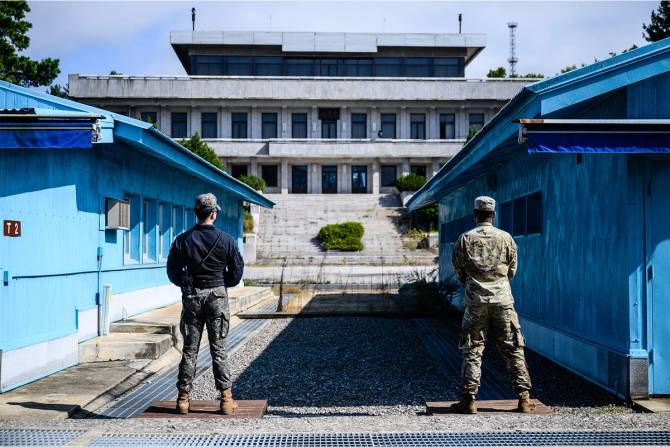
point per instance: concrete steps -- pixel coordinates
(289, 229)
(125, 346)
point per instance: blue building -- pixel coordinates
(580, 169)
(88, 198)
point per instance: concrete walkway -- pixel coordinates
(91, 385)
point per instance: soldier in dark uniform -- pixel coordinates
(485, 260)
(204, 261)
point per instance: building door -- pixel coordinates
(329, 179)
(299, 179)
(359, 179)
(658, 277)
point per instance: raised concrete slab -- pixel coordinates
(488, 407)
(60, 395)
(206, 409)
(125, 346)
(655, 405)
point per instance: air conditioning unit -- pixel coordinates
(117, 214)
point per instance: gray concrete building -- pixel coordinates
(315, 112)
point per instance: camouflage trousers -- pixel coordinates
(206, 307)
(502, 323)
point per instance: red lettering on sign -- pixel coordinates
(11, 228)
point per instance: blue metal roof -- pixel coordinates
(540, 99)
(143, 136)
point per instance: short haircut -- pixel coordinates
(203, 213)
(482, 215)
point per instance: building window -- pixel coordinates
(417, 122)
(419, 67)
(299, 67)
(359, 125)
(534, 213)
(178, 125)
(207, 65)
(189, 217)
(149, 117)
(239, 66)
(450, 231)
(449, 67)
(387, 125)
(476, 121)
(268, 125)
(447, 126)
(164, 230)
(268, 65)
(388, 66)
(329, 129)
(209, 124)
(506, 217)
(299, 125)
(523, 216)
(178, 221)
(270, 175)
(389, 175)
(238, 170)
(326, 67)
(239, 120)
(418, 170)
(357, 67)
(148, 230)
(131, 238)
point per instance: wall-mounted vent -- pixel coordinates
(117, 214)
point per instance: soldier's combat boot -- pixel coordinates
(525, 404)
(183, 403)
(466, 405)
(228, 404)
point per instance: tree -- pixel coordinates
(115, 73)
(471, 133)
(568, 68)
(534, 76)
(200, 148)
(62, 91)
(659, 26)
(499, 72)
(13, 39)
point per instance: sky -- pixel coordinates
(95, 37)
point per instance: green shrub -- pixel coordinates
(255, 182)
(425, 218)
(344, 236)
(410, 182)
(202, 149)
(248, 223)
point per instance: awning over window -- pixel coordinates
(31, 131)
(594, 136)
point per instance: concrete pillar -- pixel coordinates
(346, 178)
(434, 167)
(432, 127)
(284, 123)
(253, 168)
(316, 183)
(376, 177)
(404, 123)
(461, 123)
(255, 120)
(164, 120)
(404, 170)
(284, 176)
(345, 123)
(373, 123)
(225, 123)
(193, 121)
(314, 122)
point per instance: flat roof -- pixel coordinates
(326, 42)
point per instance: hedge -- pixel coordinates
(410, 182)
(255, 182)
(344, 236)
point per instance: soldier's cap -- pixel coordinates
(485, 203)
(207, 201)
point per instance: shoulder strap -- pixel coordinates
(210, 251)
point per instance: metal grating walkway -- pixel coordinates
(30, 437)
(162, 387)
(623, 438)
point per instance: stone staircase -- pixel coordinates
(289, 230)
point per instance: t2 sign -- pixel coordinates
(11, 228)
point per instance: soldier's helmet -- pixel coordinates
(485, 203)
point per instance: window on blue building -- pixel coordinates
(506, 217)
(519, 219)
(189, 218)
(164, 230)
(131, 239)
(178, 221)
(148, 230)
(178, 125)
(522, 216)
(534, 213)
(209, 124)
(359, 125)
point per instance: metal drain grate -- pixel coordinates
(28, 437)
(162, 387)
(633, 438)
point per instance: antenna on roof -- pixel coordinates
(512, 49)
(193, 18)
(460, 22)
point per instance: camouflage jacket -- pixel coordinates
(485, 260)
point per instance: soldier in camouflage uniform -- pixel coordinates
(485, 259)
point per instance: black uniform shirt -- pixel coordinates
(223, 267)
